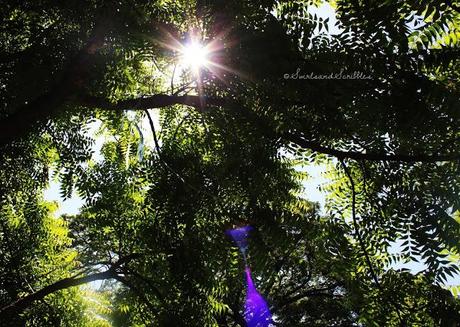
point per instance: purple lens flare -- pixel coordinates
(240, 236)
(256, 311)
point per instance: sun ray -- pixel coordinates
(194, 55)
(198, 56)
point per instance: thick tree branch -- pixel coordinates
(151, 102)
(10, 127)
(163, 100)
(370, 156)
(22, 304)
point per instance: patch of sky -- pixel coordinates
(312, 192)
(326, 11)
(72, 205)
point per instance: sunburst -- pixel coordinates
(194, 55)
(197, 54)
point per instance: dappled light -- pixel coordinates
(229, 163)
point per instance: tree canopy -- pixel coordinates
(97, 97)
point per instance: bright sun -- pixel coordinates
(194, 56)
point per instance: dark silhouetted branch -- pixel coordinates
(163, 100)
(22, 304)
(151, 102)
(325, 291)
(356, 226)
(361, 241)
(370, 156)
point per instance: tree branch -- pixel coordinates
(163, 100)
(8, 127)
(151, 102)
(326, 291)
(371, 156)
(356, 226)
(361, 241)
(22, 304)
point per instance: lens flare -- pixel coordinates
(240, 236)
(197, 52)
(194, 55)
(256, 311)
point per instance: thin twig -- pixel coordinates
(154, 134)
(356, 226)
(361, 241)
